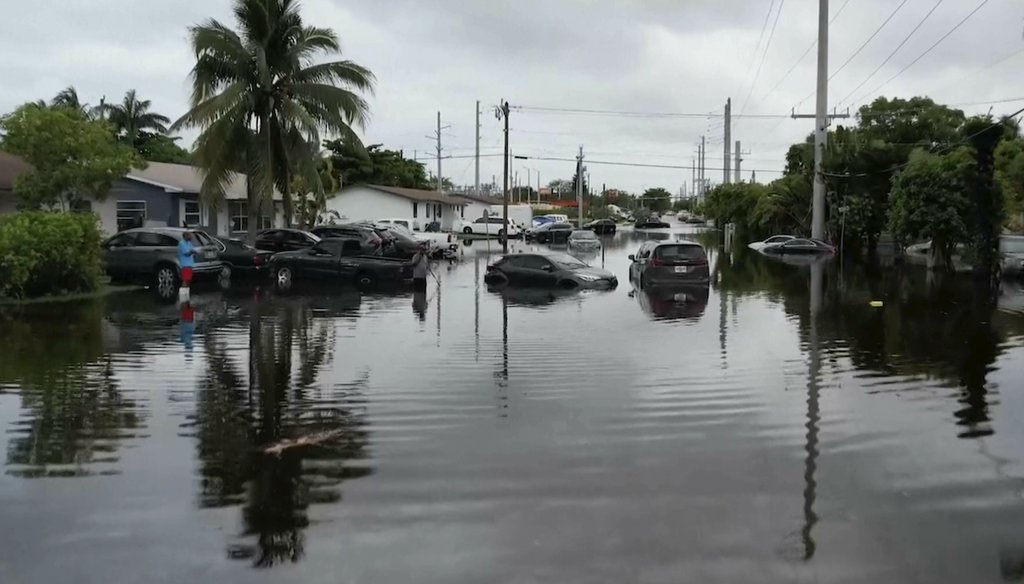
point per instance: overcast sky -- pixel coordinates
(675, 56)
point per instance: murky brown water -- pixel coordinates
(774, 428)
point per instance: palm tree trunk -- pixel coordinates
(252, 206)
(286, 198)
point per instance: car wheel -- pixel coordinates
(467, 230)
(166, 281)
(501, 233)
(225, 272)
(365, 280)
(283, 277)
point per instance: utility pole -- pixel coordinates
(739, 159)
(820, 122)
(439, 152)
(477, 174)
(703, 165)
(693, 176)
(579, 186)
(728, 140)
(502, 112)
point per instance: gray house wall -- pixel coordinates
(161, 206)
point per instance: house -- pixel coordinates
(475, 205)
(373, 202)
(158, 195)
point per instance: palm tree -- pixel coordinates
(132, 116)
(255, 90)
(68, 98)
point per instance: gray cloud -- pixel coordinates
(652, 56)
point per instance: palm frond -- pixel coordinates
(339, 72)
(337, 106)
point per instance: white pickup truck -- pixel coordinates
(491, 226)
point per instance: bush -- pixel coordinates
(43, 253)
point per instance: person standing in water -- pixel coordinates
(186, 259)
(420, 265)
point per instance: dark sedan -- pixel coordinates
(651, 223)
(240, 258)
(370, 239)
(278, 240)
(553, 233)
(800, 247)
(547, 270)
(601, 226)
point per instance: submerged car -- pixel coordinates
(663, 262)
(651, 223)
(547, 270)
(799, 246)
(240, 258)
(773, 240)
(601, 226)
(149, 255)
(553, 233)
(584, 239)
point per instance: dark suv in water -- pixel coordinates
(149, 255)
(669, 262)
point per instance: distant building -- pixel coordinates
(373, 202)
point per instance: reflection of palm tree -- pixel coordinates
(235, 425)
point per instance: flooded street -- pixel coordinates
(773, 428)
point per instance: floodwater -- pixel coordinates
(773, 428)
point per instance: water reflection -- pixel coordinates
(673, 302)
(239, 416)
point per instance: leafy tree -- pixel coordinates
(734, 203)
(783, 206)
(910, 123)
(376, 166)
(161, 148)
(657, 199)
(930, 200)
(132, 116)
(1010, 174)
(72, 157)
(984, 190)
(256, 89)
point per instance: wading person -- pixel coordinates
(186, 259)
(420, 264)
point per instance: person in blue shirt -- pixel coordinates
(186, 259)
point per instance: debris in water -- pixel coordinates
(316, 439)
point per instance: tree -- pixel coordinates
(256, 89)
(377, 166)
(1010, 174)
(657, 199)
(161, 148)
(68, 98)
(72, 157)
(984, 190)
(930, 200)
(132, 116)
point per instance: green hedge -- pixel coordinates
(47, 254)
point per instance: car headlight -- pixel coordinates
(589, 278)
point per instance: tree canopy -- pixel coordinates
(375, 165)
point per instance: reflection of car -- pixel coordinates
(773, 240)
(553, 233)
(674, 302)
(368, 237)
(338, 260)
(651, 223)
(676, 262)
(150, 255)
(491, 226)
(800, 246)
(601, 226)
(276, 240)
(584, 239)
(547, 270)
(240, 258)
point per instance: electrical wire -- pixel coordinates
(873, 35)
(760, 37)
(922, 55)
(764, 55)
(632, 114)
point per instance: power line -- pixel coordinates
(894, 51)
(760, 37)
(764, 55)
(634, 114)
(873, 35)
(922, 55)
(640, 164)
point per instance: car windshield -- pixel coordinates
(567, 261)
(778, 239)
(687, 252)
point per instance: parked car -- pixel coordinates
(240, 258)
(773, 240)
(602, 226)
(799, 246)
(651, 223)
(662, 262)
(549, 270)
(277, 240)
(337, 260)
(553, 233)
(491, 226)
(372, 241)
(149, 255)
(1011, 248)
(541, 220)
(584, 239)
(410, 224)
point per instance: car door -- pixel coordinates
(538, 271)
(294, 240)
(269, 241)
(151, 248)
(321, 260)
(118, 255)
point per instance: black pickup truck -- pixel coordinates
(338, 261)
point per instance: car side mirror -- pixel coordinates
(632, 258)
(548, 268)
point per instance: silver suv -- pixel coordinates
(664, 262)
(149, 255)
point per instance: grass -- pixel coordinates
(104, 289)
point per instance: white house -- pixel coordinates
(373, 202)
(476, 205)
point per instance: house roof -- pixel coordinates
(477, 198)
(183, 178)
(413, 194)
(10, 167)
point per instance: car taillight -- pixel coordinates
(257, 259)
(657, 263)
(376, 242)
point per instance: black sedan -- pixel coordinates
(799, 247)
(601, 226)
(651, 223)
(553, 233)
(278, 240)
(547, 270)
(372, 240)
(240, 258)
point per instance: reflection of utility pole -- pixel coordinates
(502, 112)
(813, 413)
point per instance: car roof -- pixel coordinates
(678, 242)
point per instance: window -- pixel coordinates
(238, 215)
(686, 252)
(415, 210)
(203, 239)
(130, 214)
(481, 220)
(151, 239)
(533, 263)
(121, 240)
(192, 215)
(266, 222)
(437, 211)
(296, 238)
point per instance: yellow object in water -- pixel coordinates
(876, 304)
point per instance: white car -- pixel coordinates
(773, 240)
(410, 224)
(491, 226)
(584, 239)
